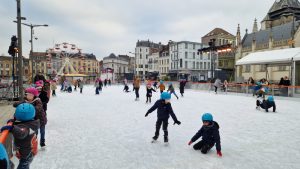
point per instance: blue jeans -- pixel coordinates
(25, 162)
(42, 130)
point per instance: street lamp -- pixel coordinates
(31, 41)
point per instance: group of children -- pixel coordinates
(30, 119)
(209, 130)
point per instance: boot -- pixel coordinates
(166, 139)
(42, 143)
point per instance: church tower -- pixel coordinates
(281, 12)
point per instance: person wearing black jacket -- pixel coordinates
(210, 135)
(149, 90)
(266, 104)
(164, 110)
(181, 86)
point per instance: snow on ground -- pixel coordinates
(109, 131)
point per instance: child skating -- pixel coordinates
(149, 90)
(161, 86)
(266, 104)
(210, 135)
(164, 110)
(24, 130)
(172, 90)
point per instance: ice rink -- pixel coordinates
(110, 131)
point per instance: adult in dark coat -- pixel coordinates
(181, 87)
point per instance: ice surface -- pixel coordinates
(109, 131)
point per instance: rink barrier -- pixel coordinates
(238, 88)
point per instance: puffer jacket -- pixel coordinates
(39, 111)
(25, 137)
(210, 135)
(163, 110)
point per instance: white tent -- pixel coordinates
(271, 57)
(287, 56)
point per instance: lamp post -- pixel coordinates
(31, 42)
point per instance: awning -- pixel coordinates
(271, 57)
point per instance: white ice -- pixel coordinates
(110, 131)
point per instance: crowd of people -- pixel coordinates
(30, 117)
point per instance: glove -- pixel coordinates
(190, 143)
(219, 153)
(146, 114)
(177, 122)
(9, 128)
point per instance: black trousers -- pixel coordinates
(148, 99)
(216, 89)
(53, 93)
(203, 146)
(80, 90)
(136, 89)
(164, 123)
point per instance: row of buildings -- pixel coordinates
(216, 55)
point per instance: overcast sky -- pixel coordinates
(114, 26)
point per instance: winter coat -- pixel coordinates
(218, 83)
(171, 89)
(149, 92)
(210, 135)
(162, 87)
(44, 98)
(163, 110)
(136, 83)
(181, 86)
(266, 104)
(25, 138)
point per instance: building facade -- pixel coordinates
(6, 68)
(143, 50)
(279, 30)
(186, 62)
(224, 45)
(117, 68)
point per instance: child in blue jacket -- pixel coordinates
(164, 110)
(210, 135)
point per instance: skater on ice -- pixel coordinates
(161, 86)
(266, 104)
(172, 90)
(164, 110)
(136, 88)
(149, 90)
(24, 131)
(181, 87)
(210, 135)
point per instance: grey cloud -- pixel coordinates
(102, 27)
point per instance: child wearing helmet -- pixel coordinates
(32, 97)
(171, 89)
(164, 110)
(210, 135)
(161, 86)
(266, 104)
(149, 90)
(24, 130)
